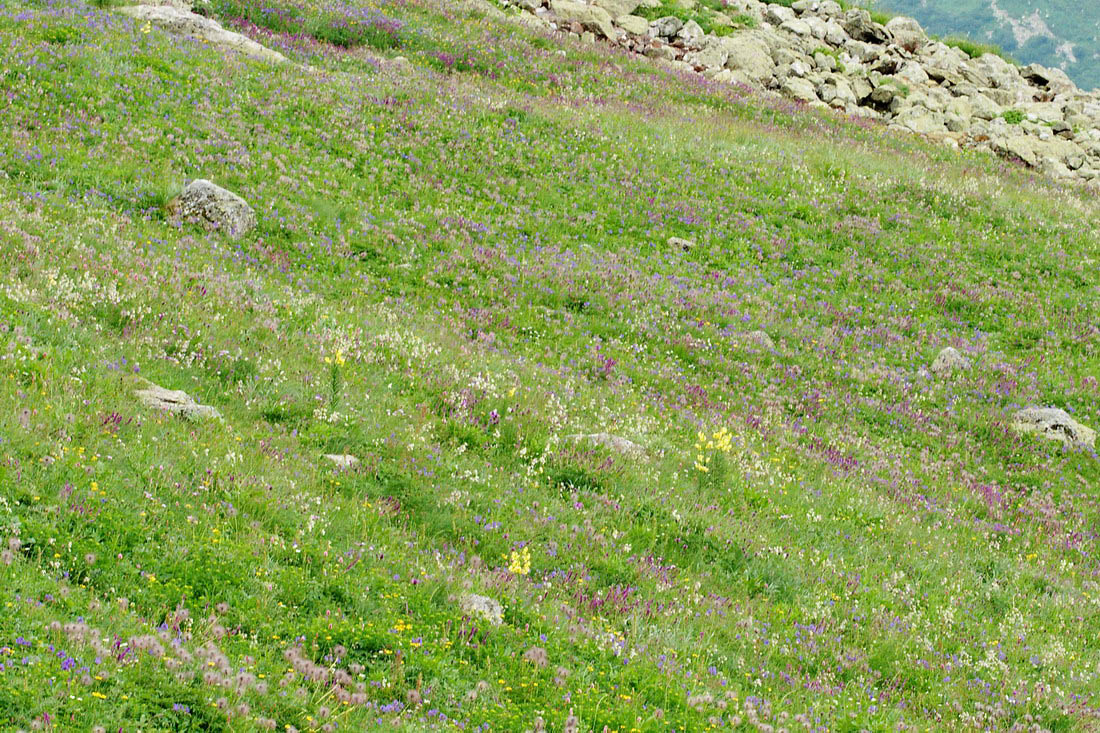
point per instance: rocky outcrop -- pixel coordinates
(824, 56)
(176, 17)
(214, 208)
(1053, 424)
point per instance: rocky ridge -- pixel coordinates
(820, 54)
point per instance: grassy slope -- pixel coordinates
(453, 272)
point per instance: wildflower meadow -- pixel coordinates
(555, 391)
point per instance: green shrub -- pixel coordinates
(975, 49)
(61, 35)
(1013, 116)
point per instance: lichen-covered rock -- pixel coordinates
(1053, 423)
(205, 203)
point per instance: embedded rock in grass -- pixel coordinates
(1053, 423)
(185, 23)
(344, 460)
(612, 442)
(761, 339)
(679, 243)
(482, 606)
(214, 207)
(947, 361)
(589, 17)
(174, 401)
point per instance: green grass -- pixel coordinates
(974, 49)
(461, 264)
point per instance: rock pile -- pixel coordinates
(820, 54)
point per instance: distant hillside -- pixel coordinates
(1062, 33)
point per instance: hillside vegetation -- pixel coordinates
(462, 262)
(1059, 33)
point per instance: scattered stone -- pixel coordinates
(948, 361)
(343, 460)
(612, 442)
(1053, 423)
(761, 339)
(482, 606)
(214, 207)
(176, 401)
(181, 21)
(679, 243)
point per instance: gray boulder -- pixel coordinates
(343, 460)
(778, 15)
(666, 27)
(1053, 423)
(712, 55)
(482, 606)
(175, 401)
(214, 207)
(948, 361)
(801, 89)
(692, 34)
(750, 53)
(907, 33)
(615, 8)
(635, 25)
(859, 25)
